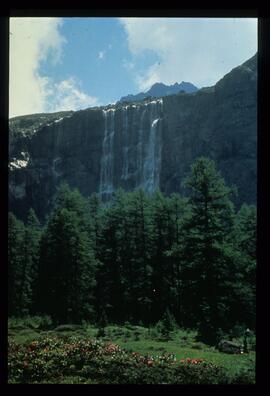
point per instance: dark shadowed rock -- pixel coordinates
(229, 347)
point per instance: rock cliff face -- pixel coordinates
(146, 144)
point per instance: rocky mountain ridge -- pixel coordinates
(159, 90)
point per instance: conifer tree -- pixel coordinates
(15, 263)
(246, 230)
(162, 239)
(32, 236)
(244, 288)
(94, 205)
(68, 265)
(113, 245)
(137, 271)
(178, 213)
(102, 323)
(166, 324)
(209, 258)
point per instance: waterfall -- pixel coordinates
(106, 186)
(140, 145)
(152, 158)
(131, 148)
(124, 175)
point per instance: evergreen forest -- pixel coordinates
(140, 257)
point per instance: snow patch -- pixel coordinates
(59, 119)
(18, 164)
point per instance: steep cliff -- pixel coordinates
(146, 144)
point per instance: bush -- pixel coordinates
(127, 334)
(102, 320)
(252, 342)
(237, 331)
(52, 357)
(153, 333)
(166, 325)
(163, 333)
(136, 335)
(42, 322)
(102, 323)
(128, 325)
(117, 332)
(244, 377)
(33, 322)
(197, 345)
(101, 332)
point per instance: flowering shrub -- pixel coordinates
(191, 361)
(54, 357)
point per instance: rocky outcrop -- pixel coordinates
(146, 144)
(159, 89)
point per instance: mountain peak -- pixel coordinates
(158, 84)
(160, 89)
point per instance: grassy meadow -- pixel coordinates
(146, 342)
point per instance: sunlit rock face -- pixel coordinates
(147, 144)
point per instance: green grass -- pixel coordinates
(232, 363)
(182, 344)
(187, 348)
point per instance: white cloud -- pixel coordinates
(197, 50)
(101, 54)
(67, 95)
(33, 40)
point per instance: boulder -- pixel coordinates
(229, 347)
(68, 327)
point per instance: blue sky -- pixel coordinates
(73, 63)
(95, 52)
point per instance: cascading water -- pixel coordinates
(138, 135)
(152, 158)
(107, 160)
(125, 169)
(140, 145)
